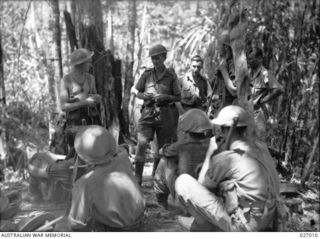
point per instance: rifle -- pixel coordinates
(227, 142)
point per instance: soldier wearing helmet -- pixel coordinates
(78, 99)
(107, 198)
(183, 156)
(78, 94)
(158, 87)
(195, 88)
(240, 184)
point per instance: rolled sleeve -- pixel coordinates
(176, 87)
(140, 86)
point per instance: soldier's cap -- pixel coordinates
(227, 114)
(157, 50)
(95, 145)
(196, 58)
(79, 56)
(194, 121)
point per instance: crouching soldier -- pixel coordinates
(107, 198)
(240, 189)
(183, 156)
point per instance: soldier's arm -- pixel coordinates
(206, 164)
(79, 216)
(64, 98)
(273, 86)
(140, 87)
(219, 170)
(171, 150)
(176, 90)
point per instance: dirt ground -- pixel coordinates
(157, 218)
(303, 206)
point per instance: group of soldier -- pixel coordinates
(221, 177)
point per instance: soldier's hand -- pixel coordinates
(163, 98)
(95, 97)
(148, 96)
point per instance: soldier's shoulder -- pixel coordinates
(146, 72)
(171, 72)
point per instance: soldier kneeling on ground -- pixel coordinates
(51, 174)
(183, 156)
(240, 188)
(107, 198)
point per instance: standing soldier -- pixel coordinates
(158, 87)
(78, 96)
(195, 88)
(264, 88)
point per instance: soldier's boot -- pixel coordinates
(138, 170)
(162, 199)
(155, 165)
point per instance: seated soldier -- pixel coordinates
(240, 189)
(51, 174)
(107, 198)
(183, 156)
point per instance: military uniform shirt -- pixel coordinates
(166, 83)
(249, 166)
(263, 81)
(190, 87)
(109, 195)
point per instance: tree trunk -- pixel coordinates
(71, 33)
(2, 86)
(54, 62)
(89, 16)
(307, 169)
(110, 45)
(237, 29)
(128, 83)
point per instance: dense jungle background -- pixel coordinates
(37, 37)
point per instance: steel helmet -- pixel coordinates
(79, 56)
(195, 121)
(157, 50)
(227, 114)
(95, 145)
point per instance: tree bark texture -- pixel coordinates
(2, 85)
(237, 29)
(54, 62)
(129, 80)
(70, 31)
(308, 167)
(89, 17)
(110, 44)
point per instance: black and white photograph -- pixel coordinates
(131, 116)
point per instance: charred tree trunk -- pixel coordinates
(129, 80)
(89, 17)
(70, 31)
